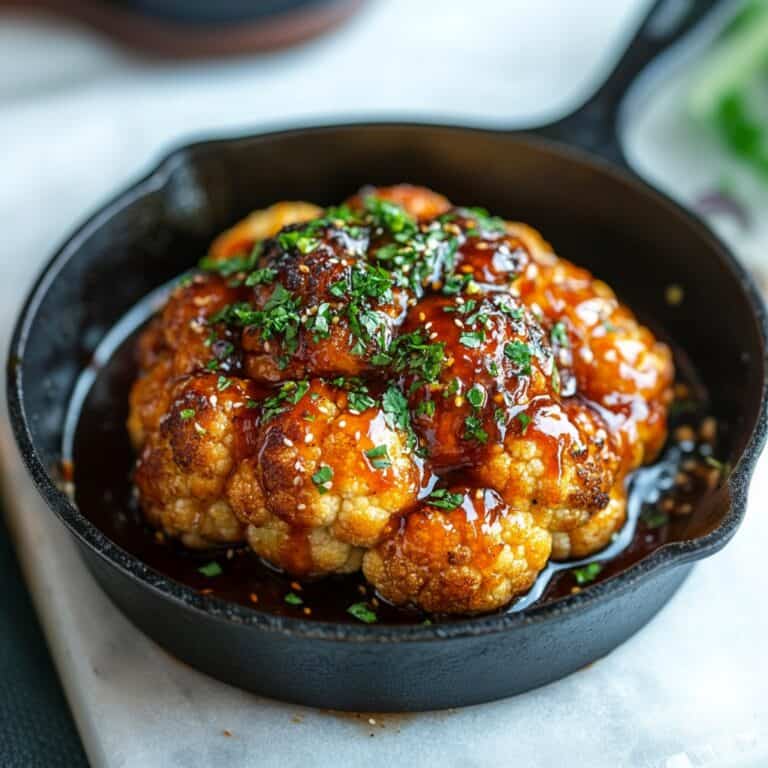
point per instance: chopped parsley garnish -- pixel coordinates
(223, 383)
(187, 414)
(476, 396)
(229, 267)
(379, 457)
(389, 216)
(301, 239)
(322, 477)
(484, 223)
(412, 353)
(251, 404)
(559, 335)
(426, 408)
(290, 393)
(359, 400)
(520, 356)
(472, 339)
(654, 518)
(200, 430)
(444, 499)
(261, 276)
(210, 569)
(362, 612)
(555, 379)
(586, 573)
(473, 429)
(293, 599)
(524, 420)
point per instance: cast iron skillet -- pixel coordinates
(597, 213)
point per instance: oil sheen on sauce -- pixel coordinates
(679, 497)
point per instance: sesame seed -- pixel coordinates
(301, 505)
(287, 442)
(303, 268)
(458, 323)
(309, 437)
(422, 317)
(458, 401)
(433, 335)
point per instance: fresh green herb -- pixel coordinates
(472, 339)
(454, 284)
(483, 222)
(524, 420)
(212, 365)
(262, 276)
(499, 415)
(210, 569)
(378, 457)
(444, 499)
(362, 612)
(426, 408)
(654, 518)
(323, 476)
(187, 414)
(520, 356)
(223, 383)
(476, 396)
(290, 392)
(389, 216)
(251, 404)
(229, 267)
(555, 379)
(360, 400)
(200, 430)
(293, 599)
(454, 385)
(301, 239)
(412, 353)
(587, 573)
(473, 429)
(320, 322)
(516, 313)
(559, 334)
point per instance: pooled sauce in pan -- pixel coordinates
(680, 496)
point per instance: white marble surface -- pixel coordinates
(77, 119)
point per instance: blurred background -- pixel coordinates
(93, 92)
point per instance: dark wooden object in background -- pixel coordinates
(180, 33)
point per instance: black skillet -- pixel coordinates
(596, 213)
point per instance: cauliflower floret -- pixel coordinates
(559, 463)
(475, 557)
(493, 359)
(325, 479)
(183, 468)
(596, 533)
(149, 400)
(183, 331)
(321, 309)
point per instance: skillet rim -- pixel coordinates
(89, 535)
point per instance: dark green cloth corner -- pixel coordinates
(36, 728)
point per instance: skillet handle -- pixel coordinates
(595, 125)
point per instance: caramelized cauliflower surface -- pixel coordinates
(395, 384)
(474, 556)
